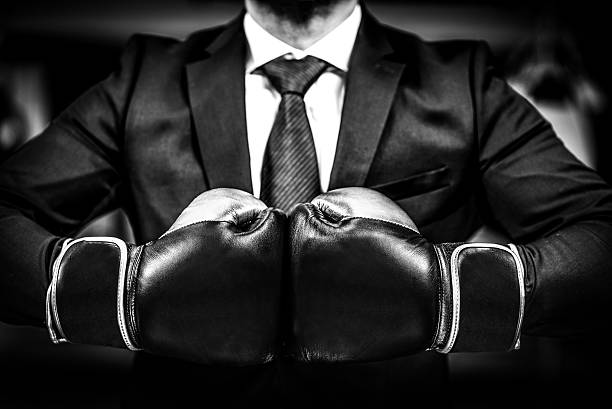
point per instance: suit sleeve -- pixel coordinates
(558, 211)
(56, 183)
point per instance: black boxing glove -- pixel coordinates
(207, 290)
(366, 285)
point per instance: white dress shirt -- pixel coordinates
(323, 100)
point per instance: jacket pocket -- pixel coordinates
(413, 185)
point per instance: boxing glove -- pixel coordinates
(366, 285)
(206, 291)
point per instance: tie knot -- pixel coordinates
(293, 76)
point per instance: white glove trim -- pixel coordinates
(50, 304)
(456, 293)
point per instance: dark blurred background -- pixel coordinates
(554, 53)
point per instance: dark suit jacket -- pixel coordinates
(429, 124)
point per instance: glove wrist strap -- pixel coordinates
(86, 298)
(482, 298)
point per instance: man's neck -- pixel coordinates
(304, 34)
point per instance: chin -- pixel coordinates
(299, 11)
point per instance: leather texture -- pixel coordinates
(364, 284)
(207, 291)
(363, 203)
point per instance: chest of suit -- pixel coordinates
(424, 160)
(406, 130)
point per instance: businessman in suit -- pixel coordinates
(430, 125)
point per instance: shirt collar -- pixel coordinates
(335, 48)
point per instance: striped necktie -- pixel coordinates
(290, 173)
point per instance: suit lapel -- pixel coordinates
(216, 96)
(370, 88)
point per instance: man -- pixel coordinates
(430, 126)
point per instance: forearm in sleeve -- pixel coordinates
(557, 211)
(55, 184)
(569, 279)
(26, 253)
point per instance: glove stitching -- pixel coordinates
(384, 221)
(258, 226)
(318, 214)
(53, 323)
(122, 282)
(436, 341)
(132, 283)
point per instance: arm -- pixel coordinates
(557, 211)
(55, 184)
